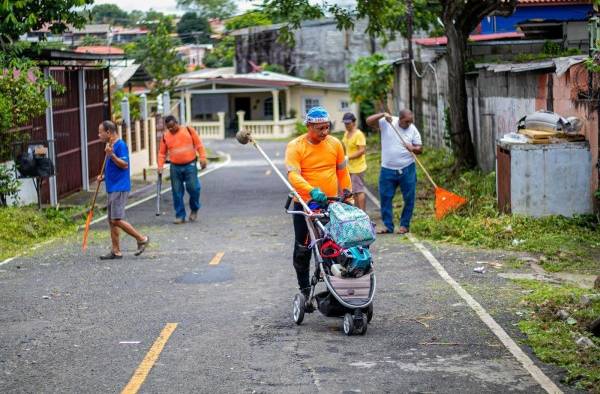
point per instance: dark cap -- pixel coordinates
(349, 117)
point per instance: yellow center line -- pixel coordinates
(217, 259)
(141, 373)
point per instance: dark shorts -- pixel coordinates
(358, 182)
(116, 205)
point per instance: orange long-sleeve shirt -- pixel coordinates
(322, 165)
(181, 147)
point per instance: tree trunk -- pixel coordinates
(460, 133)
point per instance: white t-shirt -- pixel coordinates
(394, 154)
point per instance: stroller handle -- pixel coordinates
(308, 215)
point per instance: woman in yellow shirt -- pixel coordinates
(356, 151)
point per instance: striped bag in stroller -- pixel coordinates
(349, 226)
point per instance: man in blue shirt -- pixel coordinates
(118, 186)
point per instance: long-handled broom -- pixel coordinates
(90, 215)
(445, 201)
(243, 137)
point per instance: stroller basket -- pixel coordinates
(352, 292)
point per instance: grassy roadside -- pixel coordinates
(563, 244)
(555, 319)
(566, 244)
(24, 227)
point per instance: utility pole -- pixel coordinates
(409, 28)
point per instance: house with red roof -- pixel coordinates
(218, 102)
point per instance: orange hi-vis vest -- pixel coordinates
(322, 165)
(181, 147)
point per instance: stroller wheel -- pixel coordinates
(362, 325)
(299, 305)
(370, 313)
(348, 324)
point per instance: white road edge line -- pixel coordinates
(544, 381)
(218, 166)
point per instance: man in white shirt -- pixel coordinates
(397, 166)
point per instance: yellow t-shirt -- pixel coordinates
(359, 164)
(322, 165)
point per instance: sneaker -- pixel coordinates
(179, 221)
(111, 256)
(141, 246)
(193, 216)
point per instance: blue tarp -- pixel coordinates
(504, 24)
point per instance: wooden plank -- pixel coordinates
(538, 134)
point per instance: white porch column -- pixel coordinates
(288, 103)
(276, 126)
(188, 107)
(128, 137)
(275, 94)
(85, 176)
(51, 141)
(153, 150)
(221, 116)
(182, 110)
(138, 136)
(240, 115)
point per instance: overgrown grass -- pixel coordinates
(571, 244)
(23, 227)
(554, 340)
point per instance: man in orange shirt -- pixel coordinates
(183, 145)
(316, 169)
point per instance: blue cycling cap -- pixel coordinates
(316, 115)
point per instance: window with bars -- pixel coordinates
(310, 102)
(344, 106)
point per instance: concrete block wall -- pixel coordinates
(319, 45)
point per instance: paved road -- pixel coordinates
(64, 314)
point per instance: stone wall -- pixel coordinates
(319, 46)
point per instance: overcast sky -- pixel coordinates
(166, 6)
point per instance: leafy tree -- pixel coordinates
(386, 17)
(23, 16)
(276, 68)
(371, 81)
(220, 9)
(193, 29)
(152, 19)
(222, 55)
(135, 17)
(109, 13)
(9, 186)
(249, 19)
(156, 52)
(22, 98)
(134, 105)
(315, 74)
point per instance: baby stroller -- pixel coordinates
(347, 273)
(342, 263)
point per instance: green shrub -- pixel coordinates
(9, 185)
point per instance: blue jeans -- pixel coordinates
(188, 175)
(389, 180)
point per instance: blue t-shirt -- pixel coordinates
(117, 179)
